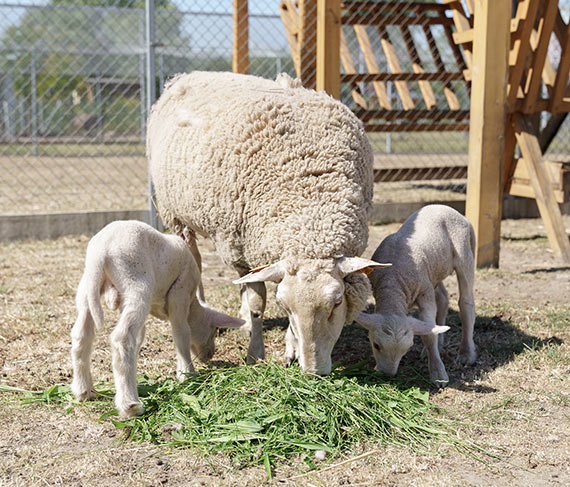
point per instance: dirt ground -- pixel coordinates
(515, 401)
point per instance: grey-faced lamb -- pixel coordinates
(279, 177)
(142, 271)
(430, 245)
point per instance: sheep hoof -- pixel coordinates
(82, 393)
(439, 378)
(132, 410)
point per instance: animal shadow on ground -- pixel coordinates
(497, 340)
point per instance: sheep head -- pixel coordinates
(319, 297)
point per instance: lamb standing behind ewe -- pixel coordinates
(430, 245)
(142, 271)
(274, 174)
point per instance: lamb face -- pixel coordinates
(391, 336)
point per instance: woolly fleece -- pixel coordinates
(267, 169)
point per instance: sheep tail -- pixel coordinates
(94, 278)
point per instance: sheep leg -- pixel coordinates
(253, 298)
(178, 307)
(82, 338)
(291, 347)
(467, 353)
(126, 340)
(442, 303)
(428, 312)
(193, 246)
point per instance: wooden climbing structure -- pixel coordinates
(504, 58)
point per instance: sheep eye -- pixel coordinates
(376, 346)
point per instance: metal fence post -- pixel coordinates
(34, 104)
(150, 95)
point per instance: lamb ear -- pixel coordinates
(368, 321)
(348, 265)
(273, 272)
(423, 328)
(221, 320)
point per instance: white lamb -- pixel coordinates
(274, 174)
(430, 245)
(143, 271)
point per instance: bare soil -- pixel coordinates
(515, 401)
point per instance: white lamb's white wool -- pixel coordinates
(431, 244)
(141, 271)
(274, 174)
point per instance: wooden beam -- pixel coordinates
(328, 46)
(290, 20)
(308, 42)
(487, 126)
(240, 58)
(538, 175)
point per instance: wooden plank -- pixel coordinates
(308, 42)
(462, 23)
(419, 174)
(433, 115)
(416, 127)
(367, 78)
(240, 56)
(557, 173)
(372, 66)
(328, 47)
(547, 205)
(450, 96)
(561, 81)
(348, 66)
(527, 11)
(363, 18)
(534, 77)
(487, 126)
(510, 146)
(425, 87)
(290, 20)
(524, 189)
(395, 67)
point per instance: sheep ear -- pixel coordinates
(368, 321)
(221, 320)
(423, 328)
(348, 265)
(273, 272)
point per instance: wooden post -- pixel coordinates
(240, 60)
(328, 46)
(491, 42)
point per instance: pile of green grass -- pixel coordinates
(263, 414)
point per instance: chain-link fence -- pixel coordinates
(74, 83)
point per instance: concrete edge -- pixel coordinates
(54, 225)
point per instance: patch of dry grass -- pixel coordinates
(515, 400)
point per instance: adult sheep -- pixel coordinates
(277, 176)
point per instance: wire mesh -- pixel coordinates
(74, 84)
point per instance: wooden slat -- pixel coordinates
(308, 42)
(328, 47)
(509, 159)
(395, 67)
(548, 72)
(372, 65)
(527, 11)
(534, 77)
(425, 86)
(438, 76)
(289, 17)
(547, 205)
(561, 81)
(487, 127)
(557, 172)
(450, 96)
(240, 57)
(385, 20)
(433, 115)
(419, 173)
(462, 23)
(348, 66)
(416, 127)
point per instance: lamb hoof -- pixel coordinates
(246, 330)
(132, 410)
(439, 378)
(82, 394)
(467, 357)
